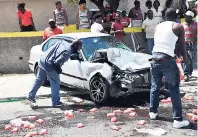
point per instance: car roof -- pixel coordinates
(80, 35)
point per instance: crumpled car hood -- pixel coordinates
(125, 59)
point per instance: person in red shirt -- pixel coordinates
(26, 22)
(52, 30)
(117, 29)
(125, 19)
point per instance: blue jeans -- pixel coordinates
(188, 65)
(150, 44)
(170, 71)
(54, 83)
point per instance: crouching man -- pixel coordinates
(50, 66)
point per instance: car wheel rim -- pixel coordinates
(97, 90)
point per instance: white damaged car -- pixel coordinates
(107, 68)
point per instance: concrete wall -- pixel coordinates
(14, 53)
(42, 11)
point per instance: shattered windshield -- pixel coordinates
(90, 45)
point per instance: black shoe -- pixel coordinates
(31, 100)
(58, 105)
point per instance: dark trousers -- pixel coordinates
(27, 28)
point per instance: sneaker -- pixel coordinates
(153, 116)
(180, 124)
(58, 105)
(31, 100)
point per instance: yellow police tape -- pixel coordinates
(68, 29)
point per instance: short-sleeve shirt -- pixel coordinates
(190, 31)
(125, 21)
(25, 18)
(149, 27)
(96, 27)
(118, 26)
(48, 32)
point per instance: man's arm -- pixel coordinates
(20, 24)
(130, 14)
(33, 24)
(77, 19)
(178, 30)
(143, 31)
(66, 18)
(54, 16)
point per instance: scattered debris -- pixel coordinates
(81, 110)
(155, 132)
(31, 126)
(194, 118)
(117, 111)
(32, 118)
(114, 119)
(40, 121)
(80, 125)
(8, 127)
(132, 114)
(127, 111)
(43, 132)
(90, 117)
(168, 100)
(132, 109)
(190, 115)
(77, 100)
(195, 111)
(16, 122)
(111, 115)
(33, 133)
(93, 110)
(114, 127)
(141, 122)
(27, 124)
(187, 97)
(14, 130)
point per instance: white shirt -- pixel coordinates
(149, 27)
(96, 27)
(165, 39)
(158, 14)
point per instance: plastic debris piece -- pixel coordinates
(114, 127)
(155, 132)
(32, 118)
(187, 97)
(195, 111)
(23, 123)
(80, 125)
(141, 122)
(194, 118)
(70, 115)
(28, 135)
(8, 127)
(33, 133)
(117, 111)
(66, 112)
(27, 125)
(32, 126)
(127, 111)
(111, 115)
(40, 121)
(14, 130)
(168, 100)
(93, 110)
(190, 115)
(43, 132)
(77, 100)
(132, 109)
(114, 119)
(16, 122)
(132, 114)
(81, 110)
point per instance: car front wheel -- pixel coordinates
(46, 81)
(99, 90)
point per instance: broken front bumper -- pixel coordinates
(127, 82)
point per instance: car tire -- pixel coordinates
(99, 90)
(46, 81)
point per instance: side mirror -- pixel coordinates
(74, 56)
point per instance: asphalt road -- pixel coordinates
(13, 87)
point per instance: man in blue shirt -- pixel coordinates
(50, 66)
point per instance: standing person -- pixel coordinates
(163, 64)
(125, 19)
(26, 22)
(149, 5)
(136, 15)
(117, 29)
(52, 30)
(148, 28)
(60, 16)
(167, 5)
(97, 25)
(50, 66)
(157, 11)
(82, 16)
(190, 28)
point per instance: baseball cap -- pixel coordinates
(190, 13)
(51, 20)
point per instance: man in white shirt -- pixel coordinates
(148, 28)
(97, 26)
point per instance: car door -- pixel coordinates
(72, 73)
